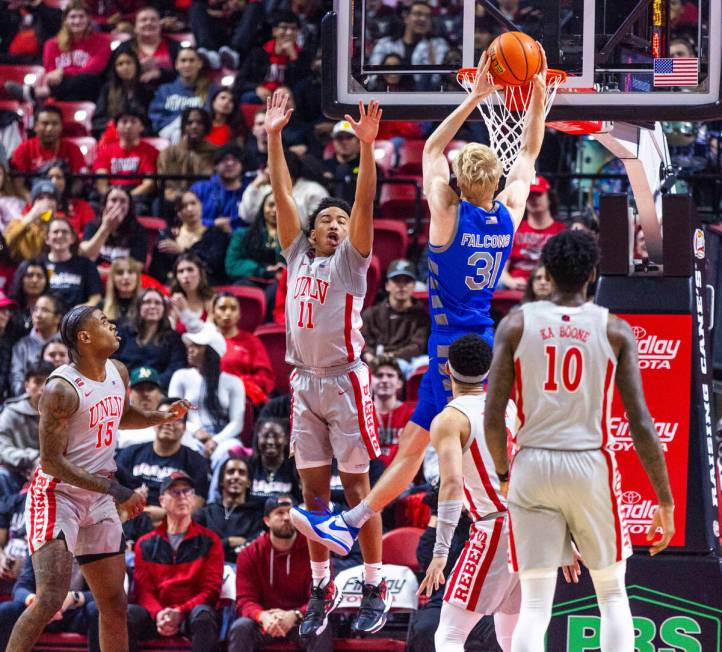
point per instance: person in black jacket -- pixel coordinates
(233, 519)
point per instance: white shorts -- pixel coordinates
(481, 580)
(556, 495)
(334, 416)
(88, 521)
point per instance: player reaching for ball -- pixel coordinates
(563, 357)
(332, 412)
(470, 239)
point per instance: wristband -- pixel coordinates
(449, 512)
(119, 492)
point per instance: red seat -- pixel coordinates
(400, 199)
(253, 305)
(171, 643)
(390, 241)
(410, 155)
(30, 75)
(399, 547)
(65, 641)
(248, 111)
(77, 117)
(88, 146)
(385, 155)
(152, 226)
(413, 382)
(186, 39)
(273, 337)
(159, 143)
(373, 277)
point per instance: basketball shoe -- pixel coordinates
(375, 604)
(323, 601)
(327, 529)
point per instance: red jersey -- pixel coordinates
(30, 155)
(88, 56)
(528, 244)
(139, 159)
(390, 426)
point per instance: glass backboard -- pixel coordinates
(643, 60)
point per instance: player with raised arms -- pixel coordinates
(332, 411)
(562, 358)
(73, 500)
(470, 239)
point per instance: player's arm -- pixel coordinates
(518, 181)
(435, 168)
(361, 227)
(277, 117)
(644, 435)
(447, 430)
(58, 403)
(501, 382)
(134, 418)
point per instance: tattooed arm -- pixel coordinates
(134, 418)
(644, 435)
(58, 403)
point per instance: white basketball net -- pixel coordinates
(504, 112)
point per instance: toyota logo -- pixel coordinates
(631, 497)
(639, 332)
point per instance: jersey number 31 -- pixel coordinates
(486, 269)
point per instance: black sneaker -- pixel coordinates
(375, 604)
(19, 92)
(323, 601)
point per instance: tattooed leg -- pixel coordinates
(52, 565)
(105, 579)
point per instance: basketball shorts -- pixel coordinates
(88, 521)
(558, 495)
(435, 386)
(333, 415)
(480, 580)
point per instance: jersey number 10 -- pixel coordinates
(486, 274)
(572, 367)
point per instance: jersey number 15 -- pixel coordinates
(487, 271)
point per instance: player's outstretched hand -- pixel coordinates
(177, 410)
(484, 83)
(368, 123)
(663, 520)
(574, 570)
(434, 576)
(540, 79)
(277, 116)
(134, 505)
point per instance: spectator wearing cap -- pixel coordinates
(26, 235)
(341, 169)
(127, 156)
(146, 394)
(219, 397)
(19, 447)
(144, 467)
(387, 381)
(272, 586)
(221, 194)
(278, 62)
(529, 239)
(178, 573)
(233, 518)
(399, 325)
(48, 144)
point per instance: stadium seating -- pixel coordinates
(77, 117)
(412, 383)
(399, 547)
(29, 75)
(401, 198)
(373, 278)
(385, 155)
(88, 146)
(186, 39)
(248, 111)
(410, 155)
(273, 337)
(153, 226)
(253, 305)
(453, 148)
(391, 241)
(159, 143)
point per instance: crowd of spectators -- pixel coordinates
(219, 484)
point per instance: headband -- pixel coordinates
(469, 380)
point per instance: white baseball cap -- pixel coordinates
(209, 335)
(342, 127)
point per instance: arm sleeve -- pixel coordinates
(248, 594)
(211, 579)
(145, 589)
(236, 407)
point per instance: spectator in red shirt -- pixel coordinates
(386, 384)
(178, 574)
(535, 229)
(129, 155)
(272, 580)
(246, 356)
(48, 144)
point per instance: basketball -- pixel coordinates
(515, 58)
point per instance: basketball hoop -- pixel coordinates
(505, 109)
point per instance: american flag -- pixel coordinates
(678, 71)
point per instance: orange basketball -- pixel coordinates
(515, 58)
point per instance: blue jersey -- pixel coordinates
(464, 273)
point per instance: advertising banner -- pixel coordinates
(664, 344)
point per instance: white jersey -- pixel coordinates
(93, 428)
(482, 489)
(323, 305)
(564, 368)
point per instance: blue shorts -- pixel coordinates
(435, 386)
